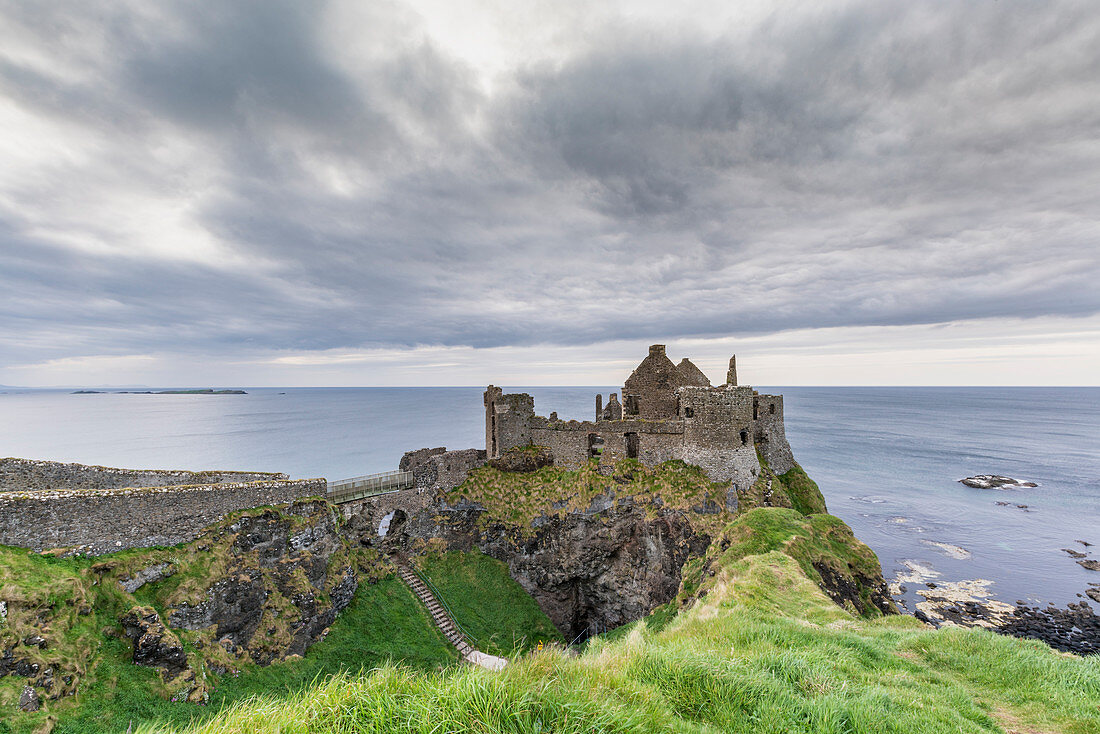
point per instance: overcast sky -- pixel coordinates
(420, 193)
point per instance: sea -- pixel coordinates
(887, 459)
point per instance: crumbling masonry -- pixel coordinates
(668, 411)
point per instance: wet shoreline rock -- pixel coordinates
(994, 481)
(1074, 629)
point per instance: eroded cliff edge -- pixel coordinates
(604, 544)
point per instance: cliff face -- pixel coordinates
(286, 575)
(601, 546)
(589, 570)
(258, 587)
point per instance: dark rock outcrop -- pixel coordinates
(523, 459)
(155, 646)
(1074, 629)
(994, 481)
(150, 575)
(855, 591)
(29, 700)
(287, 577)
(589, 570)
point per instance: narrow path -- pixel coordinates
(443, 620)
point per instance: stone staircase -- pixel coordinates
(440, 616)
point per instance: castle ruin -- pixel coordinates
(668, 411)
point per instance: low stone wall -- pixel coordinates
(18, 475)
(104, 520)
(439, 468)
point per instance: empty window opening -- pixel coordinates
(595, 445)
(771, 408)
(632, 445)
(755, 410)
(689, 412)
(384, 526)
(744, 438)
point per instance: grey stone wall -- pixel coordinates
(104, 520)
(439, 468)
(28, 474)
(451, 467)
(769, 433)
(653, 384)
(508, 420)
(419, 463)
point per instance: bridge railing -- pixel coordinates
(346, 490)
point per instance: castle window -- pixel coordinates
(755, 410)
(632, 445)
(744, 438)
(689, 412)
(771, 408)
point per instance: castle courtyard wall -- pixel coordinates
(105, 520)
(21, 475)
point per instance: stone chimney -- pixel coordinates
(731, 375)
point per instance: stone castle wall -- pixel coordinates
(105, 520)
(570, 441)
(770, 435)
(20, 475)
(668, 412)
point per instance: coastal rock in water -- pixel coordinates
(1093, 594)
(1090, 565)
(155, 646)
(1074, 629)
(994, 481)
(1075, 554)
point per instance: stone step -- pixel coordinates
(439, 614)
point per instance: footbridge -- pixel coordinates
(369, 485)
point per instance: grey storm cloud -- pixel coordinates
(864, 164)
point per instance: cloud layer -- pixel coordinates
(271, 178)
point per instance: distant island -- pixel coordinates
(202, 391)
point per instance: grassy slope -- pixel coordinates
(384, 622)
(763, 651)
(493, 609)
(519, 498)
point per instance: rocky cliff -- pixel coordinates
(601, 545)
(258, 587)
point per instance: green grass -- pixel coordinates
(803, 491)
(763, 651)
(816, 542)
(384, 622)
(519, 498)
(498, 614)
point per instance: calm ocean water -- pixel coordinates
(887, 459)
